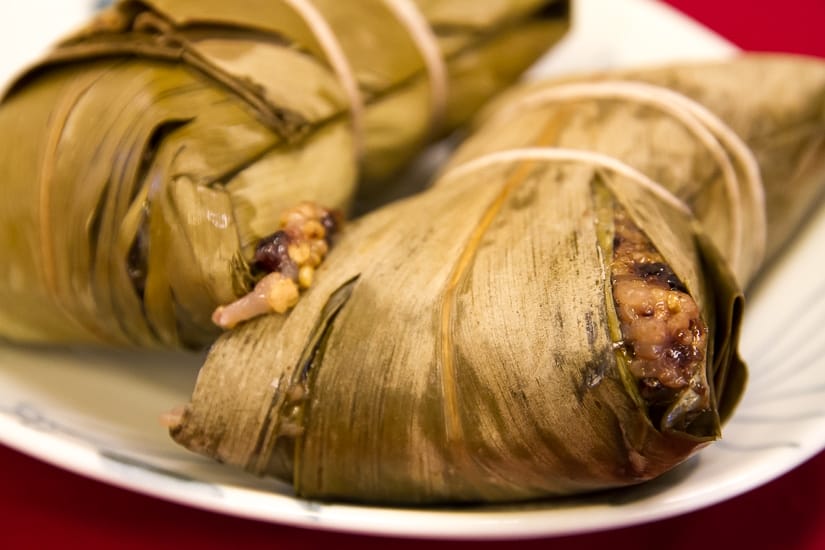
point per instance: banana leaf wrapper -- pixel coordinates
(774, 104)
(461, 346)
(147, 154)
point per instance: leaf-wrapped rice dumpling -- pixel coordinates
(465, 345)
(544, 320)
(147, 155)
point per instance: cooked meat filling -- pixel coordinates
(288, 258)
(663, 334)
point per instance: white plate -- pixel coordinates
(96, 412)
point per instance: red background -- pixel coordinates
(42, 506)
(794, 26)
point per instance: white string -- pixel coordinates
(704, 124)
(572, 155)
(425, 40)
(338, 61)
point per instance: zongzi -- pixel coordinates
(146, 157)
(558, 314)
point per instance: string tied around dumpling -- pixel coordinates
(419, 30)
(568, 155)
(724, 145)
(337, 60)
(409, 15)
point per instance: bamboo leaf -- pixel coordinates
(152, 150)
(543, 321)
